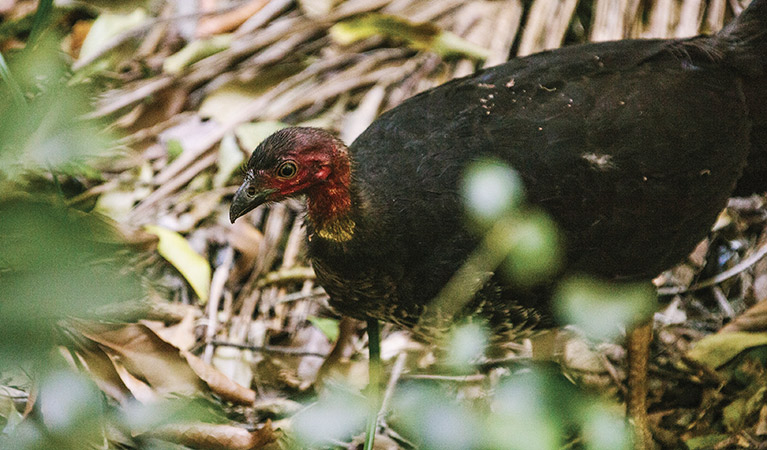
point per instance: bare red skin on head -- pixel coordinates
(324, 175)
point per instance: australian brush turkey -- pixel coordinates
(633, 147)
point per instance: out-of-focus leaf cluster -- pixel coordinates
(56, 262)
(47, 132)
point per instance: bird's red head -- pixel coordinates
(296, 161)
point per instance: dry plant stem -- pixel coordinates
(141, 211)
(267, 13)
(507, 24)
(311, 294)
(270, 349)
(118, 99)
(727, 274)
(451, 378)
(293, 246)
(267, 250)
(396, 374)
(721, 300)
(690, 17)
(217, 283)
(229, 20)
(546, 25)
(639, 340)
(286, 275)
(239, 328)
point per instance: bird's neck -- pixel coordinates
(329, 204)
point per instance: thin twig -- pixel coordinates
(760, 253)
(452, 378)
(270, 349)
(171, 186)
(220, 275)
(396, 374)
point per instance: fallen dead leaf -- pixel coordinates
(717, 349)
(213, 436)
(219, 383)
(754, 319)
(145, 356)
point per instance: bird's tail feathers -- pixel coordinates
(744, 45)
(745, 38)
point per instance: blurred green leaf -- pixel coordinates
(530, 410)
(601, 308)
(107, 27)
(337, 416)
(708, 441)
(534, 250)
(10, 416)
(491, 189)
(41, 20)
(69, 415)
(328, 326)
(49, 134)
(716, 350)
(71, 408)
(734, 414)
(177, 251)
(420, 36)
(11, 84)
(174, 148)
(63, 262)
(603, 430)
(466, 345)
(195, 51)
(434, 419)
(145, 417)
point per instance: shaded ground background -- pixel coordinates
(138, 117)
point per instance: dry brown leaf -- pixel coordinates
(139, 354)
(212, 436)
(181, 335)
(103, 373)
(754, 319)
(140, 390)
(145, 356)
(219, 383)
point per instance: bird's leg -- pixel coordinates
(343, 345)
(639, 340)
(374, 351)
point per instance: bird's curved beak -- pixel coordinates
(244, 202)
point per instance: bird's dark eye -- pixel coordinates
(251, 191)
(288, 169)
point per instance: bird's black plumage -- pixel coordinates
(633, 147)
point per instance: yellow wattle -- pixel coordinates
(338, 230)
